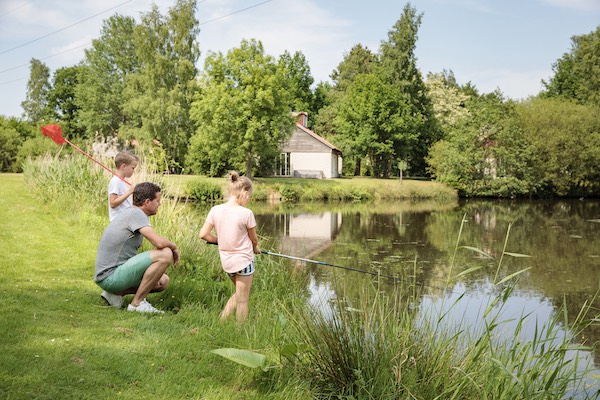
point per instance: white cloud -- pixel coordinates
(283, 25)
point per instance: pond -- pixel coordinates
(424, 242)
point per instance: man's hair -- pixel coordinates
(124, 157)
(144, 191)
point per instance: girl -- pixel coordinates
(235, 228)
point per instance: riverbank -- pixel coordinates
(61, 341)
(356, 189)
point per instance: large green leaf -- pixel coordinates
(244, 357)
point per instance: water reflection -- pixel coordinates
(418, 242)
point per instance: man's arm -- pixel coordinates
(160, 242)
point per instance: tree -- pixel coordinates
(297, 78)
(242, 113)
(357, 62)
(577, 73)
(484, 153)
(360, 60)
(61, 99)
(35, 106)
(448, 101)
(398, 68)
(370, 124)
(10, 141)
(566, 142)
(159, 94)
(102, 77)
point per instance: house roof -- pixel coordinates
(317, 137)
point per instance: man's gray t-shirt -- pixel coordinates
(120, 241)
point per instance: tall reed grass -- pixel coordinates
(391, 346)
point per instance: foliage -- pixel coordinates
(399, 70)
(576, 74)
(447, 99)
(158, 95)
(485, 145)
(297, 77)
(10, 141)
(242, 113)
(565, 141)
(35, 106)
(103, 75)
(62, 100)
(203, 191)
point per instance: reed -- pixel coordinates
(395, 346)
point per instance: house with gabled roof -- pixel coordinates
(307, 155)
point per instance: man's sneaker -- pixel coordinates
(112, 299)
(144, 307)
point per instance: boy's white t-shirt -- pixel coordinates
(118, 187)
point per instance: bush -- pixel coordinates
(204, 191)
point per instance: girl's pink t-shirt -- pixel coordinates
(232, 224)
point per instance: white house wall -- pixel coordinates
(314, 162)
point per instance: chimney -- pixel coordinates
(302, 118)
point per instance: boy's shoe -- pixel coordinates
(144, 307)
(112, 299)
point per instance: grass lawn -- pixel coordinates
(59, 340)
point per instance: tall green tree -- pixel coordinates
(398, 68)
(160, 92)
(357, 62)
(61, 99)
(577, 72)
(35, 106)
(368, 121)
(242, 113)
(102, 77)
(298, 79)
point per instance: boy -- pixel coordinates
(119, 194)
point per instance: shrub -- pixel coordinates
(204, 191)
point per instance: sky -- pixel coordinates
(509, 45)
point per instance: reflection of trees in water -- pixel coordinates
(563, 242)
(397, 240)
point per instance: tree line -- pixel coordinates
(139, 83)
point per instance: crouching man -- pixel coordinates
(120, 270)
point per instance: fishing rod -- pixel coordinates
(308, 260)
(329, 264)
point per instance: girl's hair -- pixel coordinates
(239, 184)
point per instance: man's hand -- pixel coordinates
(176, 256)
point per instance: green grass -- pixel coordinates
(59, 340)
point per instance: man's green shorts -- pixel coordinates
(127, 275)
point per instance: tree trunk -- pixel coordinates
(249, 166)
(357, 167)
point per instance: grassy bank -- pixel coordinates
(60, 341)
(356, 189)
